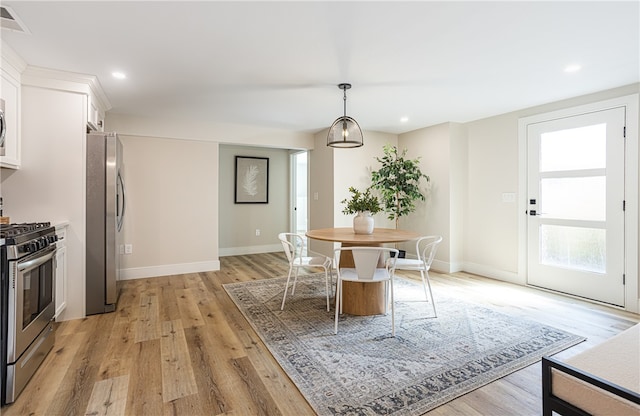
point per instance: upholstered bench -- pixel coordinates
(603, 380)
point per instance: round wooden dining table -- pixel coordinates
(361, 298)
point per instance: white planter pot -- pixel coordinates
(363, 223)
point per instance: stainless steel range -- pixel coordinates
(27, 256)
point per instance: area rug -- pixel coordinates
(365, 371)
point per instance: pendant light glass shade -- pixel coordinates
(345, 131)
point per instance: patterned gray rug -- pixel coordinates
(365, 371)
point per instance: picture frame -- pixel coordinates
(251, 181)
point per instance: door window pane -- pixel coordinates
(573, 149)
(574, 198)
(573, 248)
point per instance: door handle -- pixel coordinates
(120, 213)
(38, 261)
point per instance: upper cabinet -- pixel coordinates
(10, 93)
(95, 117)
(16, 74)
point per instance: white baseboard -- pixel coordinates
(169, 269)
(239, 251)
(60, 309)
(446, 267)
(183, 268)
(493, 273)
(439, 265)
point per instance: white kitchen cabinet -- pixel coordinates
(61, 269)
(10, 93)
(94, 115)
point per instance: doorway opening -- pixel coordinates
(299, 193)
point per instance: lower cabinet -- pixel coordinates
(61, 270)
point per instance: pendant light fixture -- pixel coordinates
(345, 131)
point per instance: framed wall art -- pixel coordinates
(252, 180)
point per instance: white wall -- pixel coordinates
(491, 226)
(171, 216)
(50, 185)
(433, 145)
(491, 229)
(459, 202)
(321, 191)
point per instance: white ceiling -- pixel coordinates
(277, 64)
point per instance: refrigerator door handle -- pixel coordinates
(120, 214)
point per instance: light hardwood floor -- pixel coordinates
(177, 345)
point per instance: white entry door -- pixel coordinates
(575, 205)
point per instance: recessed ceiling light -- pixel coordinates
(573, 68)
(404, 119)
(118, 75)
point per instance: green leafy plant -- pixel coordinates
(398, 181)
(361, 202)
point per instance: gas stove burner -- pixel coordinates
(14, 230)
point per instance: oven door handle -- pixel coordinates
(32, 264)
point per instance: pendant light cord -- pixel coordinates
(345, 100)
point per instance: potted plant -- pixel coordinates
(364, 204)
(398, 181)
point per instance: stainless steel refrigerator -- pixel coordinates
(105, 210)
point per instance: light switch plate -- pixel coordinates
(508, 197)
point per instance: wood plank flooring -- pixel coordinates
(177, 345)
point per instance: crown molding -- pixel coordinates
(66, 81)
(11, 61)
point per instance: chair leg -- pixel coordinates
(386, 298)
(286, 289)
(340, 296)
(424, 286)
(427, 284)
(393, 311)
(326, 286)
(333, 286)
(338, 304)
(295, 280)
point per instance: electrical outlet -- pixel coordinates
(257, 232)
(128, 248)
(121, 248)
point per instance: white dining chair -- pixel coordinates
(426, 248)
(293, 245)
(367, 261)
